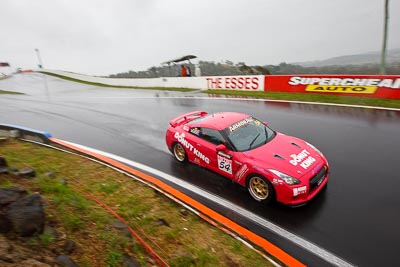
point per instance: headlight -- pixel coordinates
(287, 178)
(313, 147)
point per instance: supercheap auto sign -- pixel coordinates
(373, 86)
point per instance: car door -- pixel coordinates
(221, 162)
(205, 146)
(230, 164)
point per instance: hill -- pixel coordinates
(393, 56)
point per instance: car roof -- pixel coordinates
(219, 120)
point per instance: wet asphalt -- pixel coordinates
(356, 217)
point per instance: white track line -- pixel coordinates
(307, 245)
(245, 99)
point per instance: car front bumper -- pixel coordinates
(301, 194)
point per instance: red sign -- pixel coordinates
(253, 83)
(384, 86)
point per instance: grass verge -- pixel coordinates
(10, 93)
(179, 237)
(348, 100)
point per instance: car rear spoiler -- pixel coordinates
(187, 117)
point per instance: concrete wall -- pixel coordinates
(253, 83)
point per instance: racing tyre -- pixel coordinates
(260, 188)
(179, 152)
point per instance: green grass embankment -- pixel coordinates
(347, 100)
(180, 237)
(9, 93)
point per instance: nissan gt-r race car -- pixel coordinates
(272, 165)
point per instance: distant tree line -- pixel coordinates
(210, 68)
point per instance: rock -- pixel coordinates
(5, 224)
(50, 174)
(65, 261)
(50, 231)
(3, 165)
(27, 172)
(124, 229)
(7, 196)
(69, 246)
(13, 169)
(3, 170)
(63, 181)
(3, 162)
(11, 194)
(129, 261)
(231, 262)
(18, 253)
(184, 212)
(161, 222)
(126, 232)
(119, 225)
(27, 215)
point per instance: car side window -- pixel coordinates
(207, 134)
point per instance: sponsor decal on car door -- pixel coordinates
(199, 156)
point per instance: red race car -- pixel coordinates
(272, 166)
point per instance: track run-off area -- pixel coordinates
(353, 222)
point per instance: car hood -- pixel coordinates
(287, 154)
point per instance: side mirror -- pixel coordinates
(221, 147)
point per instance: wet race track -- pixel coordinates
(355, 219)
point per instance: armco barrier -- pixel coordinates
(9, 130)
(387, 86)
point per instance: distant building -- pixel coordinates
(197, 71)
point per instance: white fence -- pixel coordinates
(248, 83)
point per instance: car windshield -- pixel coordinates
(248, 134)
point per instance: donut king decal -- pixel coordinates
(181, 139)
(240, 124)
(303, 158)
(345, 85)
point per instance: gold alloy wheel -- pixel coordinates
(258, 188)
(179, 152)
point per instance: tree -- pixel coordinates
(262, 70)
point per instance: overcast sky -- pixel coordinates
(101, 37)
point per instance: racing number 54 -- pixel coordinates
(225, 164)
